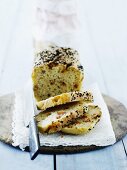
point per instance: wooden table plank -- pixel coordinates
(14, 159)
(112, 157)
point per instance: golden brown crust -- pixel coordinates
(65, 98)
(54, 55)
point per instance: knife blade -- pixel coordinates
(34, 141)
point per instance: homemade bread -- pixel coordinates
(86, 123)
(65, 98)
(56, 70)
(54, 120)
(81, 125)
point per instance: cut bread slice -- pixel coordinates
(65, 98)
(53, 121)
(86, 123)
(56, 70)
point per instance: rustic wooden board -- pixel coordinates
(117, 111)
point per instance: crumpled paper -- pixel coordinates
(56, 21)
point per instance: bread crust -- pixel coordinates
(65, 98)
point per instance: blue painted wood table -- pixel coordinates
(105, 58)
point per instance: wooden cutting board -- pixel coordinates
(117, 110)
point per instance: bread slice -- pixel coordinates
(54, 120)
(65, 98)
(86, 123)
(56, 70)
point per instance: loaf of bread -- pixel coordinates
(65, 98)
(57, 80)
(86, 123)
(54, 120)
(56, 70)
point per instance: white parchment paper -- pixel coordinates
(101, 135)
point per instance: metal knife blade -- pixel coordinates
(34, 141)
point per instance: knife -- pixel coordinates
(34, 140)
